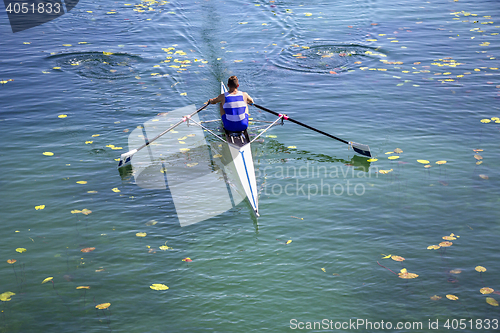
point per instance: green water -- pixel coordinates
(418, 76)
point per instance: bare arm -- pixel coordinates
(217, 99)
(248, 99)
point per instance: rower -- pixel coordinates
(233, 107)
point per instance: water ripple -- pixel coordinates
(326, 58)
(97, 65)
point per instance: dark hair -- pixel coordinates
(232, 82)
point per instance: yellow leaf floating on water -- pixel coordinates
(150, 223)
(491, 301)
(116, 190)
(11, 261)
(478, 157)
(158, 286)
(102, 306)
(389, 152)
(308, 14)
(183, 94)
(5, 297)
(387, 256)
(83, 287)
(75, 211)
(485, 121)
(480, 269)
(238, 61)
(452, 297)
(86, 211)
(40, 207)
(141, 234)
(47, 279)
(164, 248)
(88, 142)
(450, 237)
(495, 118)
(393, 157)
(190, 165)
(441, 162)
(292, 147)
(184, 150)
(445, 244)
(384, 171)
(62, 116)
(324, 270)
(397, 258)
(81, 182)
(372, 160)
(423, 161)
(187, 259)
(484, 176)
(436, 298)
(433, 247)
(95, 135)
(398, 151)
(486, 290)
(288, 241)
(107, 53)
(455, 271)
(48, 153)
(404, 274)
(20, 249)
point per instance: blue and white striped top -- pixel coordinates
(235, 106)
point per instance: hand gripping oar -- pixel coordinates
(357, 147)
(126, 157)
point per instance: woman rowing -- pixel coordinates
(233, 106)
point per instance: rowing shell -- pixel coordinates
(241, 154)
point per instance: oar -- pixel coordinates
(126, 157)
(358, 147)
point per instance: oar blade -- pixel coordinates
(126, 157)
(361, 149)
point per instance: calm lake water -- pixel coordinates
(419, 77)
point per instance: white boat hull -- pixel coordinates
(241, 154)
